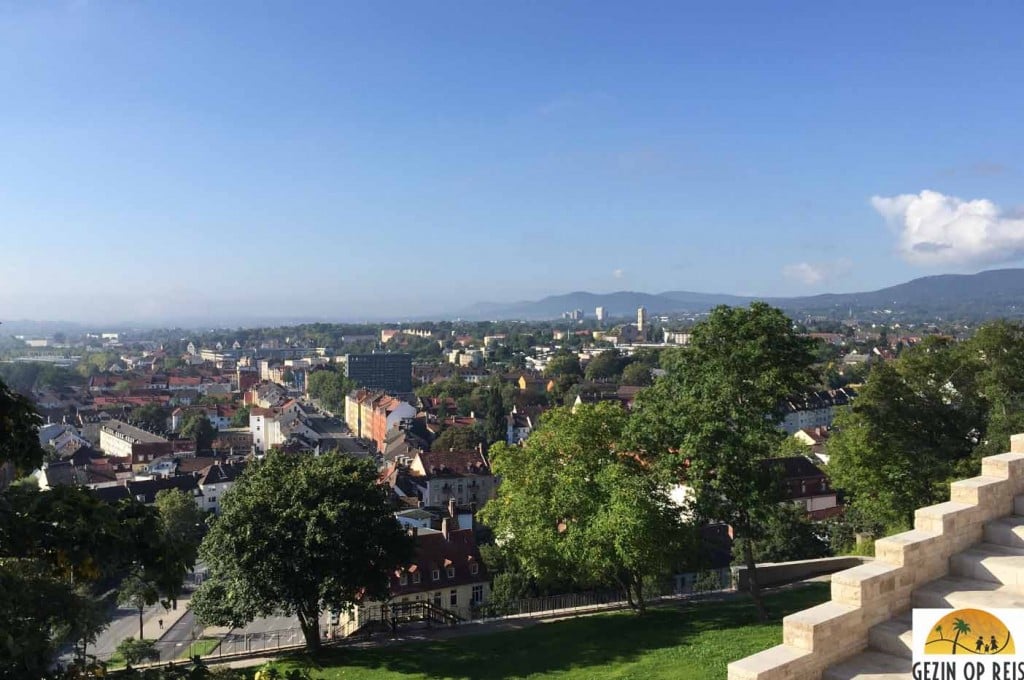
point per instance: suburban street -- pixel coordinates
(176, 639)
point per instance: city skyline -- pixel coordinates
(374, 161)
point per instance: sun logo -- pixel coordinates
(969, 631)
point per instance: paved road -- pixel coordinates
(176, 640)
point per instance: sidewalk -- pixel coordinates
(157, 615)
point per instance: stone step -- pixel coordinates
(1008, 531)
(990, 562)
(893, 636)
(960, 593)
(1018, 505)
(870, 665)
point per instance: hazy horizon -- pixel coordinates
(381, 161)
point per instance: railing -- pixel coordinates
(238, 643)
(388, 617)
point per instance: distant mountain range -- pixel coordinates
(987, 294)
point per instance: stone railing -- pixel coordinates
(864, 596)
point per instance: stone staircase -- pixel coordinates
(989, 574)
(968, 552)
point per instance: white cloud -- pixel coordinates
(618, 273)
(813, 273)
(935, 229)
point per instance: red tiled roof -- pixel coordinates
(454, 462)
(434, 552)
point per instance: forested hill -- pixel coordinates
(987, 294)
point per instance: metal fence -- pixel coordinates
(240, 643)
(682, 586)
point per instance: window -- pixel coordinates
(416, 577)
(437, 599)
(436, 574)
(453, 598)
(478, 594)
(403, 579)
(474, 568)
(451, 572)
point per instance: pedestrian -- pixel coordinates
(160, 622)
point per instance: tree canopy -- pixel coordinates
(927, 418)
(456, 438)
(714, 417)
(299, 534)
(197, 426)
(572, 502)
(329, 387)
(607, 365)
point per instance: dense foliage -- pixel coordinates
(572, 502)
(927, 418)
(713, 419)
(299, 534)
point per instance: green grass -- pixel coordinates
(694, 641)
(202, 647)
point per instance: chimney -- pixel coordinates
(445, 528)
(451, 507)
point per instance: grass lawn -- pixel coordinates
(694, 641)
(202, 647)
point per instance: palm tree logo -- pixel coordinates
(993, 637)
(960, 626)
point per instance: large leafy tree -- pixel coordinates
(713, 419)
(329, 387)
(927, 418)
(299, 534)
(457, 438)
(19, 443)
(153, 417)
(573, 502)
(54, 545)
(607, 365)
(137, 592)
(197, 426)
(182, 525)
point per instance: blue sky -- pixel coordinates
(384, 159)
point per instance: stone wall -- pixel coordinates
(864, 596)
(779, 573)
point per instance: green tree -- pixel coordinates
(713, 419)
(19, 443)
(571, 502)
(299, 534)
(564, 365)
(241, 417)
(605, 366)
(905, 435)
(152, 417)
(136, 651)
(197, 426)
(960, 626)
(138, 592)
(637, 374)
(182, 525)
(329, 387)
(497, 410)
(456, 438)
(787, 535)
